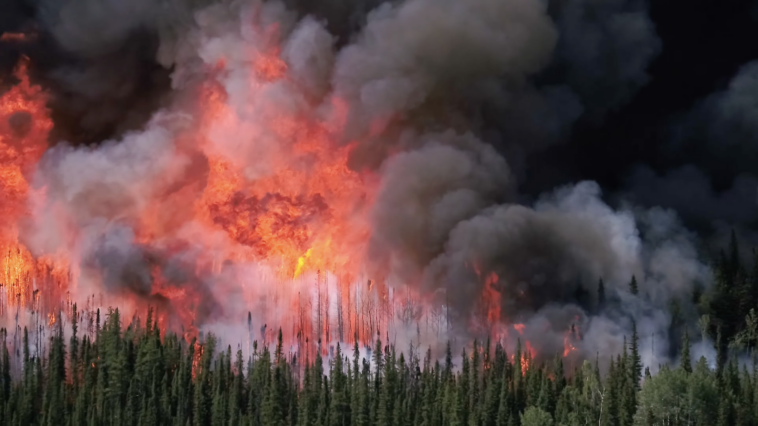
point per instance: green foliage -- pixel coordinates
(136, 377)
(535, 416)
(118, 374)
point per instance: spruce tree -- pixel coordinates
(463, 388)
(686, 362)
(474, 381)
(635, 358)
(600, 295)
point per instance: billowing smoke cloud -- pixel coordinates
(99, 61)
(723, 125)
(441, 103)
(565, 244)
(690, 192)
(122, 264)
(711, 181)
(427, 192)
(604, 50)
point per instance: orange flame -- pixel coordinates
(15, 37)
(568, 338)
(24, 128)
(301, 212)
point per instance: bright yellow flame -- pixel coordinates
(301, 263)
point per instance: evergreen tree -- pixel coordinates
(600, 295)
(635, 358)
(131, 374)
(534, 416)
(685, 362)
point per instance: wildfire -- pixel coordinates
(570, 336)
(301, 209)
(24, 128)
(17, 37)
(491, 298)
(568, 347)
(527, 356)
(51, 320)
(276, 192)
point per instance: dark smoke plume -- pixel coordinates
(492, 125)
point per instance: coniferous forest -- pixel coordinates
(507, 213)
(134, 375)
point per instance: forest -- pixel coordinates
(134, 375)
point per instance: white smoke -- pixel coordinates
(402, 91)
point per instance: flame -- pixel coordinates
(567, 346)
(491, 299)
(525, 362)
(301, 262)
(24, 127)
(300, 211)
(570, 336)
(492, 295)
(197, 356)
(17, 37)
(527, 356)
(299, 214)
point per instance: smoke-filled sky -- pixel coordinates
(552, 143)
(652, 100)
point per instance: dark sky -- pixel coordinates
(704, 45)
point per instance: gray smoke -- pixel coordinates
(716, 188)
(444, 100)
(120, 262)
(690, 192)
(98, 60)
(604, 50)
(718, 133)
(569, 239)
(427, 192)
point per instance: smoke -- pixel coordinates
(604, 50)
(690, 192)
(568, 241)
(99, 61)
(122, 264)
(712, 182)
(722, 125)
(425, 193)
(439, 106)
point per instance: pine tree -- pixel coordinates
(448, 362)
(474, 384)
(633, 288)
(339, 413)
(378, 357)
(364, 409)
(463, 389)
(609, 410)
(685, 362)
(74, 350)
(600, 295)
(720, 353)
(635, 358)
(734, 254)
